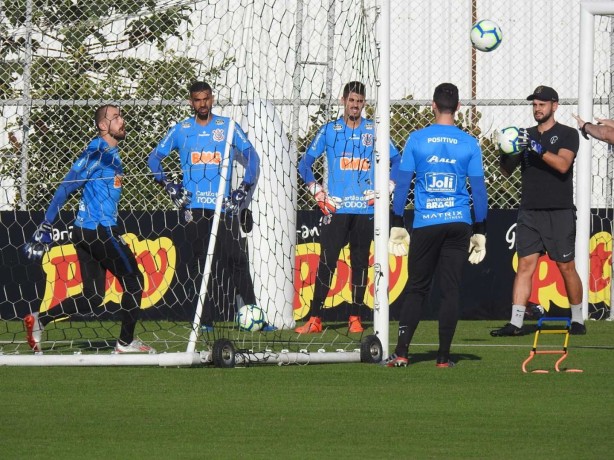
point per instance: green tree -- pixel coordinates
(83, 53)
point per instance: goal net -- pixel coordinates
(276, 68)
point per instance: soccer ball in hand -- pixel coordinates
(486, 35)
(507, 140)
(250, 318)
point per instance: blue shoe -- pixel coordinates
(269, 328)
(205, 328)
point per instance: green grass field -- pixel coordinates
(485, 407)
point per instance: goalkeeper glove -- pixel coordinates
(178, 194)
(328, 204)
(246, 220)
(237, 198)
(525, 141)
(41, 240)
(369, 195)
(398, 243)
(477, 248)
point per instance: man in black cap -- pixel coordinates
(547, 215)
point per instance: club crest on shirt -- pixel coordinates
(553, 139)
(367, 140)
(218, 135)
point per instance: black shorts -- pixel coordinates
(552, 231)
(103, 249)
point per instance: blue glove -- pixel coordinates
(178, 195)
(237, 198)
(536, 148)
(526, 142)
(41, 240)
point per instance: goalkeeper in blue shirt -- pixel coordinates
(441, 157)
(201, 142)
(346, 199)
(95, 236)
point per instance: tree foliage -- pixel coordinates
(84, 53)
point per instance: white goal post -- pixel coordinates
(584, 173)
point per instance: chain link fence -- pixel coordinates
(62, 59)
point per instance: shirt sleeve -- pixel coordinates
(480, 198)
(304, 168)
(475, 167)
(571, 141)
(403, 176)
(159, 153)
(318, 144)
(76, 177)
(251, 157)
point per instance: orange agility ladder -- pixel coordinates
(562, 352)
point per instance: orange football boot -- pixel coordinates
(355, 324)
(313, 326)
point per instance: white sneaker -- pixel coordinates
(34, 331)
(136, 346)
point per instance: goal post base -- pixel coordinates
(183, 359)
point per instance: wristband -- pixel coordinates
(583, 129)
(397, 221)
(479, 227)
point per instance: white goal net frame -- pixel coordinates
(273, 69)
(595, 163)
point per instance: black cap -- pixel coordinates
(544, 93)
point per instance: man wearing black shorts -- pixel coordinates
(98, 171)
(547, 216)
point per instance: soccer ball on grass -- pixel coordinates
(486, 35)
(507, 140)
(250, 318)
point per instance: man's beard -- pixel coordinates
(119, 135)
(204, 116)
(543, 118)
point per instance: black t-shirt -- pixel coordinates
(542, 186)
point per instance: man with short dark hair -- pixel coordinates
(442, 157)
(346, 199)
(547, 215)
(97, 241)
(201, 141)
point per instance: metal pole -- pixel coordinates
(330, 52)
(25, 102)
(297, 74)
(588, 10)
(382, 177)
(583, 161)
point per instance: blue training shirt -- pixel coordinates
(349, 162)
(100, 172)
(201, 151)
(442, 158)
